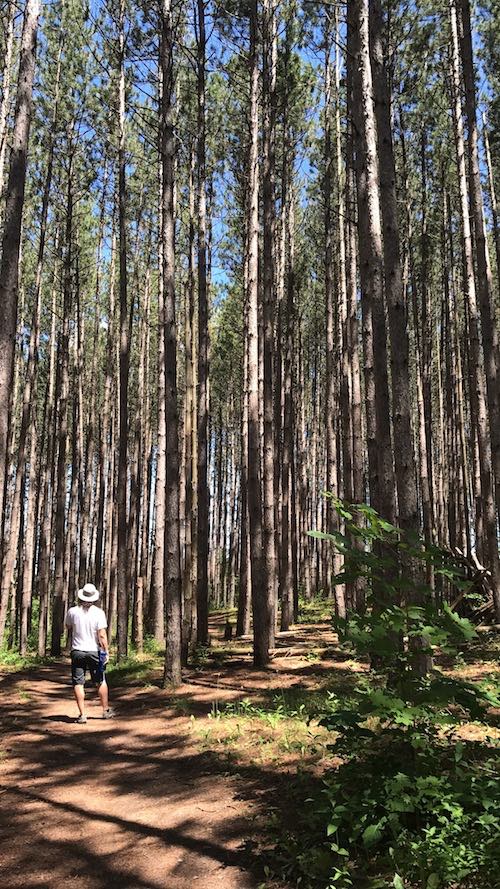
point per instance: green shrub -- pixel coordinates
(411, 804)
(432, 820)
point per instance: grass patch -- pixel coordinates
(139, 669)
(209, 656)
(250, 736)
(13, 662)
(316, 610)
(279, 729)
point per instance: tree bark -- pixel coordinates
(9, 267)
(85, 521)
(173, 579)
(6, 81)
(287, 573)
(493, 197)
(380, 452)
(484, 279)
(424, 480)
(245, 579)
(123, 591)
(190, 432)
(157, 604)
(262, 618)
(203, 342)
(62, 420)
(396, 304)
(477, 373)
(48, 476)
(268, 301)
(333, 284)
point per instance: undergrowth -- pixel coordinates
(414, 802)
(11, 661)
(315, 610)
(134, 669)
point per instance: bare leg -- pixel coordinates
(103, 695)
(79, 692)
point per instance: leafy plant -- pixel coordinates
(12, 661)
(411, 801)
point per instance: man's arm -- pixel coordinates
(103, 642)
(69, 634)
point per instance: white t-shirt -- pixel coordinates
(84, 624)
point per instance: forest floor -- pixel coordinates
(179, 788)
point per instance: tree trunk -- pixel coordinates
(287, 573)
(332, 286)
(173, 586)
(70, 557)
(157, 604)
(190, 431)
(262, 618)
(6, 81)
(493, 197)
(380, 462)
(484, 279)
(145, 482)
(477, 384)
(396, 304)
(85, 524)
(245, 581)
(268, 284)
(9, 267)
(123, 591)
(28, 414)
(423, 438)
(352, 335)
(202, 407)
(48, 476)
(62, 421)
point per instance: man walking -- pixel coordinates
(87, 625)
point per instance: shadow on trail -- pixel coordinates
(175, 837)
(106, 870)
(124, 803)
(132, 802)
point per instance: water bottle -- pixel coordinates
(102, 663)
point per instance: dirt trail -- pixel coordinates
(137, 802)
(127, 803)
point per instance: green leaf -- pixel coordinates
(403, 804)
(373, 833)
(488, 803)
(461, 623)
(397, 882)
(415, 612)
(321, 535)
(433, 881)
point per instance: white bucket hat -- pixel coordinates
(88, 593)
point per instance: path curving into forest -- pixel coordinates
(128, 803)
